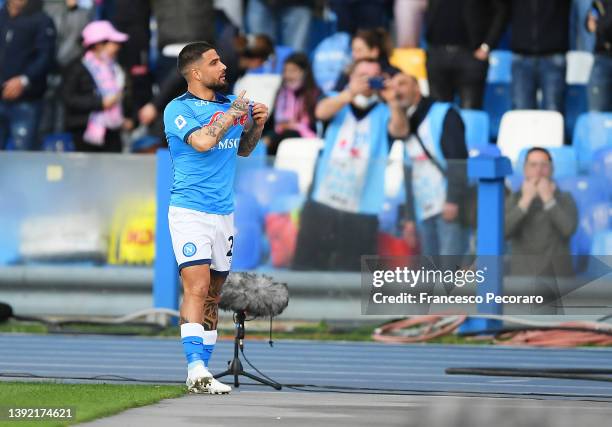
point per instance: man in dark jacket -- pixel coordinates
(600, 83)
(460, 34)
(27, 45)
(540, 40)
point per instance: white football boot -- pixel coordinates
(217, 387)
(198, 380)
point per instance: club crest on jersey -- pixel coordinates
(189, 249)
(220, 114)
(180, 122)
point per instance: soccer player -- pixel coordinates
(205, 130)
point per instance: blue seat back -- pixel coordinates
(268, 184)
(246, 253)
(329, 59)
(497, 102)
(476, 129)
(576, 103)
(593, 130)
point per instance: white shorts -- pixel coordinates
(202, 238)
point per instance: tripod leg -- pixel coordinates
(275, 385)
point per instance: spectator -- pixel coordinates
(580, 37)
(540, 220)
(288, 18)
(352, 15)
(179, 23)
(540, 41)
(294, 107)
(369, 44)
(436, 181)
(27, 44)
(132, 18)
(94, 91)
(460, 34)
(253, 52)
(600, 83)
(69, 19)
(409, 16)
(340, 221)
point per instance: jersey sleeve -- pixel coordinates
(180, 120)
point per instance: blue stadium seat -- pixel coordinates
(497, 97)
(274, 64)
(330, 58)
(500, 67)
(564, 161)
(256, 160)
(587, 191)
(576, 103)
(594, 219)
(601, 167)
(247, 209)
(388, 218)
(246, 253)
(593, 130)
(602, 243)
(58, 142)
(268, 184)
(497, 102)
(476, 129)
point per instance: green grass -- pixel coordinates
(89, 401)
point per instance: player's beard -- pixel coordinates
(217, 86)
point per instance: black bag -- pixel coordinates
(468, 209)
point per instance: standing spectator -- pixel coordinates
(178, 23)
(540, 41)
(93, 91)
(340, 221)
(69, 18)
(460, 34)
(294, 107)
(409, 16)
(27, 45)
(436, 181)
(540, 220)
(352, 15)
(132, 18)
(580, 36)
(369, 44)
(600, 83)
(288, 18)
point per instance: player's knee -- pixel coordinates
(196, 288)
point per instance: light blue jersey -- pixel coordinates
(203, 181)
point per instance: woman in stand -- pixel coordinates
(94, 91)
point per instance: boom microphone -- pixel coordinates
(6, 312)
(256, 294)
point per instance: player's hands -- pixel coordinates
(240, 106)
(12, 89)
(260, 114)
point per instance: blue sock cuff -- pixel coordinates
(193, 348)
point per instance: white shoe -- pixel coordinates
(217, 387)
(198, 380)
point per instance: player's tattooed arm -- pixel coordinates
(249, 138)
(208, 136)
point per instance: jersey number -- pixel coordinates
(231, 240)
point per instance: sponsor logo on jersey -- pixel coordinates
(241, 121)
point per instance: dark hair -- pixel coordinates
(376, 38)
(360, 61)
(190, 54)
(543, 150)
(309, 89)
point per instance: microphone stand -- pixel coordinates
(235, 365)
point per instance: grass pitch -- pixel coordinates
(88, 401)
